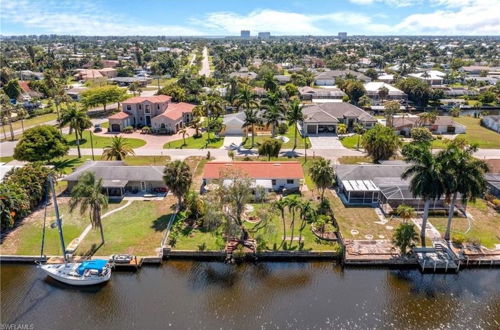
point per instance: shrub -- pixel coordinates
(146, 130)
(282, 128)
(128, 129)
(458, 239)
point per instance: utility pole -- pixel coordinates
(92, 144)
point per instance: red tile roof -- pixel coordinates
(152, 99)
(175, 110)
(119, 115)
(24, 86)
(256, 170)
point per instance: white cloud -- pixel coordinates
(462, 17)
(394, 3)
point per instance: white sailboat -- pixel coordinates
(88, 272)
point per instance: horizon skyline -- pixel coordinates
(226, 18)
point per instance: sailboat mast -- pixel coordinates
(58, 218)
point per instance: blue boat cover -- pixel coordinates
(97, 264)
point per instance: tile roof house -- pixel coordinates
(324, 118)
(321, 95)
(328, 78)
(157, 112)
(27, 92)
(442, 125)
(378, 185)
(90, 74)
(373, 88)
(118, 178)
(272, 176)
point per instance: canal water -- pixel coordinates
(212, 295)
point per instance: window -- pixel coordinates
(148, 109)
(129, 107)
(289, 181)
(140, 107)
(273, 182)
(158, 107)
(140, 118)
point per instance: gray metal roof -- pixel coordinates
(115, 171)
(329, 111)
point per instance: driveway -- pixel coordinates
(234, 141)
(325, 142)
(152, 141)
(205, 65)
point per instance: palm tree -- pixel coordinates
(383, 92)
(245, 99)
(273, 116)
(251, 119)
(307, 214)
(294, 117)
(178, 178)
(78, 120)
(118, 149)
(21, 114)
(293, 204)
(405, 236)
(184, 132)
(281, 205)
(405, 211)
(341, 129)
(213, 107)
(426, 180)
(462, 174)
(156, 70)
(322, 174)
(87, 194)
(6, 109)
(359, 129)
(427, 118)
(269, 81)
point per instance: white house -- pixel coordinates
(432, 77)
(492, 122)
(373, 89)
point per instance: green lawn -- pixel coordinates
(37, 120)
(27, 237)
(269, 235)
(6, 159)
(138, 229)
(475, 133)
(289, 145)
(485, 228)
(195, 143)
(354, 160)
(351, 141)
(100, 141)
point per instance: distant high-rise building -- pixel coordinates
(264, 35)
(245, 33)
(342, 35)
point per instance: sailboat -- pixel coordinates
(88, 272)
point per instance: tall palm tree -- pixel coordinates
(78, 121)
(426, 180)
(307, 214)
(184, 132)
(212, 108)
(281, 205)
(273, 117)
(87, 194)
(462, 174)
(245, 99)
(6, 110)
(21, 114)
(359, 129)
(118, 149)
(178, 178)
(295, 116)
(293, 204)
(251, 119)
(322, 174)
(427, 118)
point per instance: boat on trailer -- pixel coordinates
(89, 272)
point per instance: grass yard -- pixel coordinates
(196, 143)
(247, 143)
(100, 141)
(196, 164)
(27, 237)
(351, 141)
(6, 159)
(485, 228)
(269, 236)
(483, 136)
(361, 219)
(138, 229)
(37, 120)
(346, 160)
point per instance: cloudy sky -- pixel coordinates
(228, 17)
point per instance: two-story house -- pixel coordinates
(157, 112)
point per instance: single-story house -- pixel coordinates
(30, 75)
(27, 92)
(75, 92)
(233, 125)
(432, 77)
(452, 103)
(283, 79)
(321, 95)
(243, 73)
(493, 183)
(126, 81)
(458, 91)
(492, 122)
(378, 185)
(272, 176)
(90, 74)
(324, 118)
(442, 125)
(328, 78)
(119, 179)
(387, 78)
(478, 69)
(373, 88)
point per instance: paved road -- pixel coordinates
(205, 65)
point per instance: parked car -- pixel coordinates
(97, 128)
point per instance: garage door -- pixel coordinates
(115, 128)
(326, 129)
(233, 131)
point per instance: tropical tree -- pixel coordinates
(427, 118)
(322, 174)
(41, 143)
(341, 129)
(102, 96)
(270, 148)
(405, 211)
(118, 149)
(235, 197)
(12, 89)
(293, 205)
(462, 174)
(281, 205)
(359, 129)
(270, 83)
(21, 114)
(87, 194)
(307, 215)
(6, 111)
(295, 116)
(421, 135)
(390, 109)
(178, 178)
(380, 142)
(245, 99)
(184, 132)
(251, 119)
(383, 92)
(78, 121)
(426, 178)
(405, 236)
(273, 117)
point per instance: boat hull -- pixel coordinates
(54, 272)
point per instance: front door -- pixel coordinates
(148, 121)
(143, 185)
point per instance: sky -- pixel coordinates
(228, 17)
